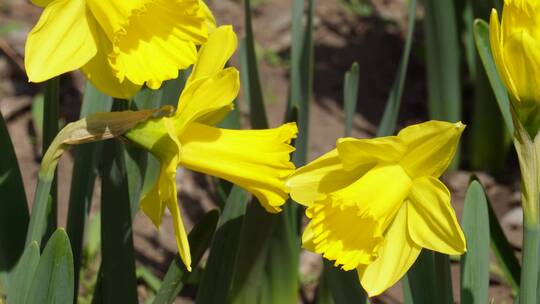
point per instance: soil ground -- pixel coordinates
(375, 41)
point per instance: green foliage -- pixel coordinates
(475, 262)
(391, 111)
(52, 281)
(13, 207)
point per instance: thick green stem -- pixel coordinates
(529, 271)
(527, 151)
(38, 220)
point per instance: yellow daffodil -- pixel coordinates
(515, 43)
(257, 160)
(375, 203)
(119, 44)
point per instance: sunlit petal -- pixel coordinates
(321, 176)
(60, 42)
(205, 96)
(431, 147)
(356, 153)
(215, 53)
(152, 40)
(99, 71)
(432, 221)
(347, 227)
(257, 160)
(395, 257)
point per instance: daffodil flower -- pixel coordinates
(375, 203)
(119, 44)
(515, 43)
(257, 160)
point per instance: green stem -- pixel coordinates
(38, 219)
(529, 271)
(50, 129)
(527, 150)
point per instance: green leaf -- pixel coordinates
(443, 62)
(428, 280)
(419, 285)
(117, 273)
(391, 111)
(144, 274)
(250, 74)
(481, 37)
(301, 83)
(51, 117)
(282, 282)
(217, 277)
(23, 274)
(199, 238)
(13, 207)
(252, 254)
(475, 262)
(350, 96)
(87, 157)
(344, 285)
(503, 251)
(53, 278)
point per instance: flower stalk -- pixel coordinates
(528, 150)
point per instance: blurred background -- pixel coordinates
(372, 33)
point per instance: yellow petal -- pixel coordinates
(152, 39)
(162, 195)
(431, 147)
(308, 238)
(396, 256)
(497, 51)
(180, 232)
(348, 226)
(355, 153)
(99, 71)
(208, 17)
(256, 160)
(205, 96)
(521, 55)
(320, 177)
(432, 221)
(341, 234)
(60, 42)
(215, 53)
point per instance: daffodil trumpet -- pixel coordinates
(373, 204)
(256, 160)
(515, 45)
(118, 45)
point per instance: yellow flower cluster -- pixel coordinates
(373, 203)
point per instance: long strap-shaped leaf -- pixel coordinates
(13, 207)
(53, 279)
(475, 262)
(84, 173)
(391, 111)
(481, 37)
(117, 273)
(216, 280)
(199, 238)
